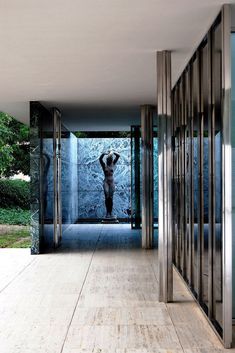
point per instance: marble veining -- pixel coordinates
(90, 177)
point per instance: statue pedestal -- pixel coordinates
(110, 220)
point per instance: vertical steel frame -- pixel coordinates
(57, 213)
(194, 113)
(165, 176)
(147, 175)
(226, 177)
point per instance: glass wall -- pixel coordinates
(197, 175)
(136, 180)
(136, 188)
(69, 177)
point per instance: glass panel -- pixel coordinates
(205, 97)
(217, 93)
(48, 178)
(136, 176)
(202, 160)
(177, 197)
(195, 171)
(69, 177)
(188, 176)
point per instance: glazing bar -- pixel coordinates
(55, 176)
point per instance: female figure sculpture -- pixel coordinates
(109, 185)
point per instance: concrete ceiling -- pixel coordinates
(93, 54)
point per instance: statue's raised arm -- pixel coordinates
(117, 156)
(101, 160)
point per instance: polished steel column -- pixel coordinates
(147, 175)
(164, 176)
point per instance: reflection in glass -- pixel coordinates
(205, 181)
(217, 72)
(195, 171)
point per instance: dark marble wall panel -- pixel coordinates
(36, 113)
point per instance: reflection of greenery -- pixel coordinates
(80, 134)
(102, 134)
(14, 216)
(14, 146)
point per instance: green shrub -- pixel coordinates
(14, 193)
(14, 216)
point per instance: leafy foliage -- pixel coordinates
(14, 194)
(14, 216)
(14, 146)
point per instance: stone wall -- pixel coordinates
(90, 177)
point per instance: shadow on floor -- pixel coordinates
(90, 237)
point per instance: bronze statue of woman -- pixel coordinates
(109, 185)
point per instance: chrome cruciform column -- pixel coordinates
(164, 176)
(147, 175)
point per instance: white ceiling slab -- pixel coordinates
(93, 53)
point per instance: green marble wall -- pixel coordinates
(36, 227)
(38, 114)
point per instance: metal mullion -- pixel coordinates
(59, 200)
(173, 177)
(178, 197)
(181, 259)
(55, 180)
(177, 178)
(184, 176)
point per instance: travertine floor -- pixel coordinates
(98, 293)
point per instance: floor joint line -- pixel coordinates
(80, 293)
(17, 275)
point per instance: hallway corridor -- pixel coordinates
(97, 294)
